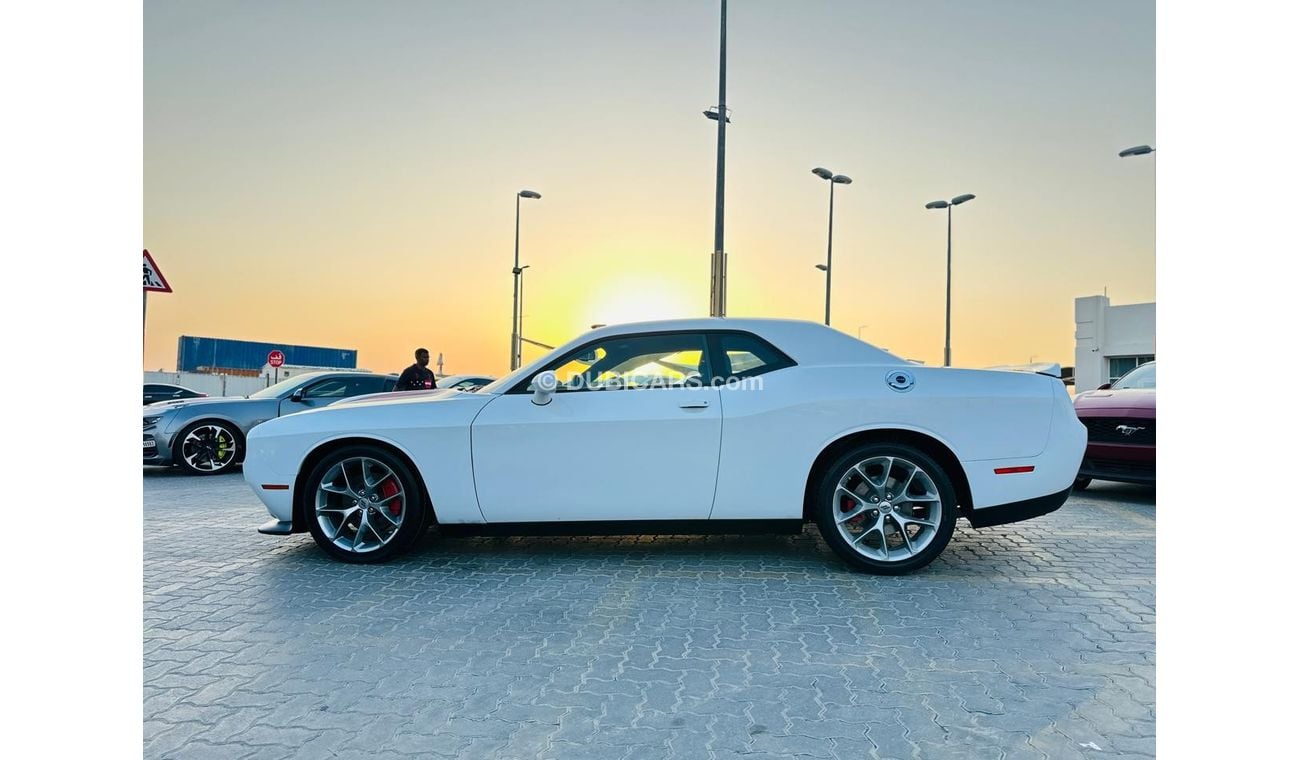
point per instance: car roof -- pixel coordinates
(808, 343)
(340, 373)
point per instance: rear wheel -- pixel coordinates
(886, 508)
(1082, 482)
(364, 504)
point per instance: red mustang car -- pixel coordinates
(1121, 421)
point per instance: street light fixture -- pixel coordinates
(947, 317)
(517, 272)
(834, 179)
(1137, 150)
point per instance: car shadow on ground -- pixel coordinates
(154, 471)
(771, 553)
(1126, 494)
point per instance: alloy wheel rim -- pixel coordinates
(887, 508)
(360, 504)
(209, 448)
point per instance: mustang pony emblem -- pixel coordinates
(1127, 430)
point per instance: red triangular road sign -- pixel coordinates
(153, 276)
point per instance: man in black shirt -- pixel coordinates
(418, 376)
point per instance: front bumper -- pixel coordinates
(1120, 462)
(1104, 462)
(156, 449)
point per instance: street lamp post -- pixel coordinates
(514, 317)
(718, 279)
(947, 316)
(833, 179)
(521, 310)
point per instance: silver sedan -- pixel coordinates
(205, 436)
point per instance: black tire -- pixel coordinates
(413, 511)
(1082, 482)
(225, 440)
(828, 508)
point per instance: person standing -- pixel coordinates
(418, 376)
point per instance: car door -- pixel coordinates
(632, 433)
(327, 390)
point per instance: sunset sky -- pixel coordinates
(343, 173)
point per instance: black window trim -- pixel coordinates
(722, 361)
(714, 356)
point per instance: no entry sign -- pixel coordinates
(275, 358)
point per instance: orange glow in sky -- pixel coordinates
(344, 174)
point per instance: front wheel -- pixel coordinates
(364, 505)
(886, 508)
(208, 448)
(1081, 482)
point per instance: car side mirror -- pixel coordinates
(1103, 387)
(544, 385)
(296, 397)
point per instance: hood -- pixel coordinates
(1135, 399)
(399, 398)
(167, 406)
(395, 395)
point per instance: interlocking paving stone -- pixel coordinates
(1023, 641)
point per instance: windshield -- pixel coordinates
(1142, 377)
(274, 391)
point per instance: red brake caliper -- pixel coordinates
(389, 488)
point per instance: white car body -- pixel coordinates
(694, 454)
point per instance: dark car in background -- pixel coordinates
(1121, 422)
(205, 436)
(154, 392)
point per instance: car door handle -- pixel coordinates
(696, 405)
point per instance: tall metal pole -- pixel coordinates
(514, 300)
(947, 317)
(718, 298)
(830, 234)
(521, 316)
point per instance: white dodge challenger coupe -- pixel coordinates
(682, 426)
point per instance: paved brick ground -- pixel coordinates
(1031, 640)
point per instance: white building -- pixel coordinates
(286, 371)
(1110, 340)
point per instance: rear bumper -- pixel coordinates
(1018, 510)
(1010, 490)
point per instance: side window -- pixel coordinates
(365, 385)
(336, 387)
(746, 355)
(635, 362)
(389, 384)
